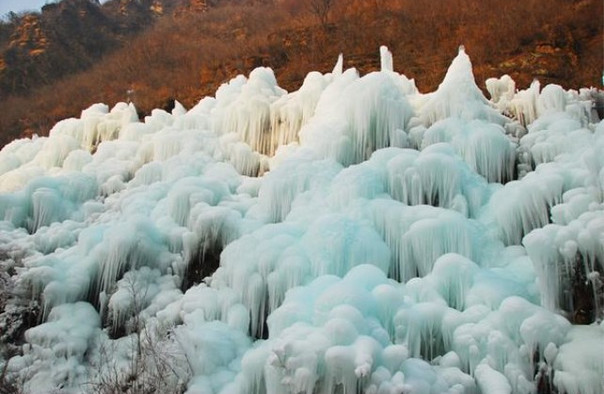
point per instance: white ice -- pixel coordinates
(368, 238)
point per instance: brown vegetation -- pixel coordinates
(188, 54)
(64, 38)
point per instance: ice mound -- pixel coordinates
(580, 365)
(366, 332)
(56, 350)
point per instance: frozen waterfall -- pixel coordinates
(355, 235)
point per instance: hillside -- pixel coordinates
(184, 53)
(67, 37)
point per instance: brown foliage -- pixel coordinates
(187, 56)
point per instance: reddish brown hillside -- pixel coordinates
(188, 53)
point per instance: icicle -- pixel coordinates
(256, 296)
(520, 207)
(524, 104)
(569, 261)
(47, 207)
(502, 92)
(418, 236)
(454, 276)
(244, 107)
(420, 329)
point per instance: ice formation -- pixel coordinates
(355, 235)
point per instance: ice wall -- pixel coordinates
(355, 236)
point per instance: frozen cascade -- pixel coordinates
(568, 254)
(135, 292)
(213, 351)
(529, 105)
(291, 178)
(354, 236)
(357, 116)
(434, 176)
(562, 131)
(458, 113)
(293, 110)
(522, 105)
(522, 206)
(244, 106)
(458, 96)
(483, 146)
(48, 199)
(559, 130)
(502, 91)
(569, 260)
(17, 153)
(417, 236)
(96, 124)
(339, 332)
(280, 257)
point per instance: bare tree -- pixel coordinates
(160, 367)
(321, 9)
(157, 361)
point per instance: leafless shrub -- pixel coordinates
(156, 362)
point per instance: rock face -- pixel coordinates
(70, 36)
(29, 35)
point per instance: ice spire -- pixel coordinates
(338, 69)
(386, 59)
(459, 96)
